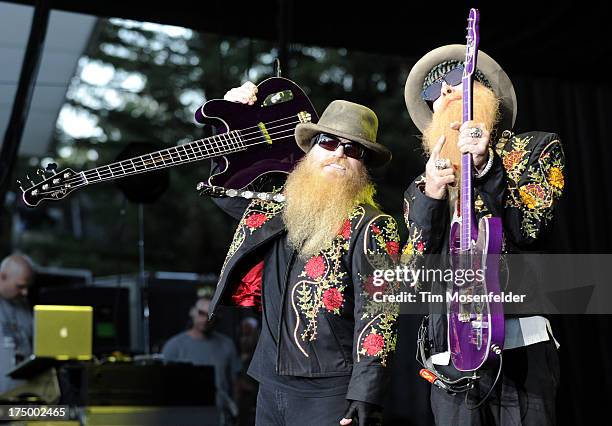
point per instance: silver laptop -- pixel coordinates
(61, 333)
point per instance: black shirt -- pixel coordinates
(278, 270)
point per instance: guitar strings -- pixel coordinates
(235, 146)
(108, 175)
(211, 145)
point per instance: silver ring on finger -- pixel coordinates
(440, 164)
(475, 132)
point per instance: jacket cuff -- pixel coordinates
(368, 384)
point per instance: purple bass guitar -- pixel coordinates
(251, 143)
(476, 324)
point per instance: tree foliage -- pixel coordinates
(153, 78)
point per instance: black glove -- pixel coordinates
(365, 413)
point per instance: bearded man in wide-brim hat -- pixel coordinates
(308, 263)
(517, 177)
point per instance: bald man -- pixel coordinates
(16, 275)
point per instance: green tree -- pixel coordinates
(142, 82)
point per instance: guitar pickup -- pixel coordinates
(278, 98)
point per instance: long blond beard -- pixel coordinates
(318, 203)
(486, 110)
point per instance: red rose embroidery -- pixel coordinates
(393, 249)
(332, 299)
(373, 344)
(254, 221)
(376, 229)
(315, 267)
(372, 288)
(345, 231)
(420, 246)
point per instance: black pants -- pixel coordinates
(525, 393)
(279, 408)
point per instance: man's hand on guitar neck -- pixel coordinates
(477, 146)
(245, 94)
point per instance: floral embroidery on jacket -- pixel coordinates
(480, 208)
(255, 221)
(345, 231)
(533, 189)
(414, 251)
(332, 300)
(385, 235)
(371, 288)
(381, 338)
(315, 267)
(324, 284)
(257, 213)
(373, 344)
(381, 246)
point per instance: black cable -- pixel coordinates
(449, 385)
(499, 370)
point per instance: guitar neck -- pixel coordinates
(471, 54)
(466, 171)
(202, 149)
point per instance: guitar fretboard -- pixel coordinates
(471, 54)
(466, 173)
(213, 146)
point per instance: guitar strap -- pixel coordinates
(219, 192)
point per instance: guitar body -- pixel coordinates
(277, 97)
(475, 328)
(253, 145)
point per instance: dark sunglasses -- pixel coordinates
(452, 78)
(331, 143)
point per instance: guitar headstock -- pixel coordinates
(56, 187)
(473, 39)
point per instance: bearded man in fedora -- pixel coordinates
(308, 262)
(516, 177)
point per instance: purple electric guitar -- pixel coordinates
(476, 329)
(252, 143)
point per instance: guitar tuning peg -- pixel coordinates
(30, 180)
(20, 185)
(41, 173)
(51, 168)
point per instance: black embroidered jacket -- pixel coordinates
(522, 187)
(331, 325)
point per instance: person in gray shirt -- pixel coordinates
(201, 345)
(16, 275)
